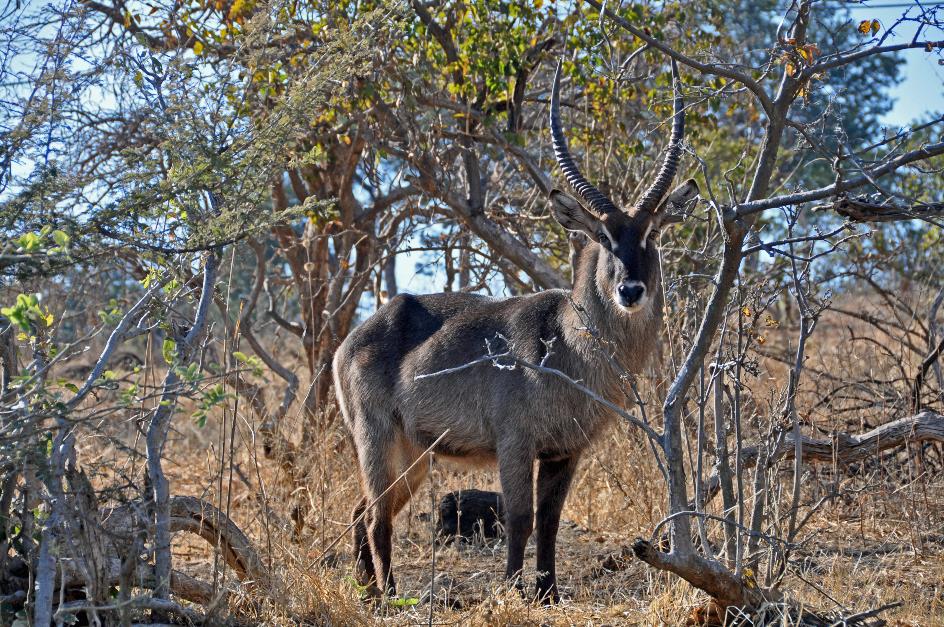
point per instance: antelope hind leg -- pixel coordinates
(374, 535)
(363, 559)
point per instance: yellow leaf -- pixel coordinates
(746, 311)
(865, 26)
(804, 90)
(876, 25)
(127, 19)
(197, 48)
(749, 578)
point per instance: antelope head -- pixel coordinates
(627, 268)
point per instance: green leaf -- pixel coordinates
(27, 311)
(61, 238)
(192, 372)
(251, 361)
(361, 589)
(29, 242)
(169, 350)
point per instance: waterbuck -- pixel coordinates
(508, 417)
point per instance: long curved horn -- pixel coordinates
(652, 197)
(590, 194)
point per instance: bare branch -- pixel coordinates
(929, 361)
(157, 433)
(834, 61)
(117, 337)
(756, 206)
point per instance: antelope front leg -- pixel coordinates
(554, 479)
(515, 472)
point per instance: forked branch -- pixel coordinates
(705, 68)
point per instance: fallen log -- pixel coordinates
(203, 519)
(191, 616)
(182, 585)
(192, 515)
(842, 448)
(195, 516)
(118, 529)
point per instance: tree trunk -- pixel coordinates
(390, 276)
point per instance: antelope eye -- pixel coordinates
(604, 240)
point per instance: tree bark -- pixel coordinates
(7, 357)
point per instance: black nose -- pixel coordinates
(630, 294)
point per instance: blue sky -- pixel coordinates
(922, 89)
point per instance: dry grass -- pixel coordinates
(882, 543)
(615, 498)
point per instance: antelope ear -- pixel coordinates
(672, 210)
(572, 215)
